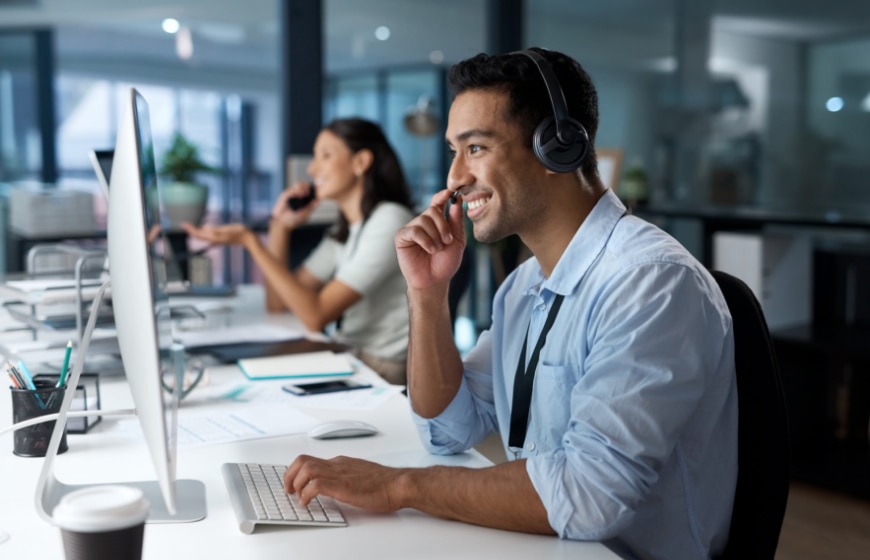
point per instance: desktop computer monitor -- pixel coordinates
(140, 307)
(139, 298)
(101, 160)
(141, 312)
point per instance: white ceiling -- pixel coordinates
(243, 34)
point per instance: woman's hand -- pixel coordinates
(290, 219)
(229, 234)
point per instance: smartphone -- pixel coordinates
(297, 202)
(320, 387)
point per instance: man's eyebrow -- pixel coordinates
(470, 134)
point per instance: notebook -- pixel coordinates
(309, 364)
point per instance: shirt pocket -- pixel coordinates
(552, 405)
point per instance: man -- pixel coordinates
(629, 435)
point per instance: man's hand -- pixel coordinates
(352, 481)
(430, 247)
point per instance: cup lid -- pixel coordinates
(101, 508)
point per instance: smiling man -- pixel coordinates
(608, 370)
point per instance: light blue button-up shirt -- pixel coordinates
(632, 435)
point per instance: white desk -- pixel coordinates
(105, 455)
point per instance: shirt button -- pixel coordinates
(542, 307)
(531, 446)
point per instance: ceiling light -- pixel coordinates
(171, 25)
(834, 104)
(865, 103)
(382, 33)
(184, 44)
(436, 57)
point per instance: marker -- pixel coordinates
(61, 381)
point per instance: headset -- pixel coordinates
(560, 142)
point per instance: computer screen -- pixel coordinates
(141, 312)
(102, 163)
(139, 298)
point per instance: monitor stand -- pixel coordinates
(189, 494)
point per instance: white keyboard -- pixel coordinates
(257, 494)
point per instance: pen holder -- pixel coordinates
(32, 441)
(86, 397)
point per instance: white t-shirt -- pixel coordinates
(367, 262)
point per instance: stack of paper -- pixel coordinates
(309, 364)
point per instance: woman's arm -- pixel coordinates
(314, 303)
(279, 246)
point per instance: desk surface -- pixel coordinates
(112, 453)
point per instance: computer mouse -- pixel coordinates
(342, 429)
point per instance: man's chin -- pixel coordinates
(482, 235)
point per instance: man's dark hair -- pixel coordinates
(518, 77)
(384, 180)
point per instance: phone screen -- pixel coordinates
(324, 387)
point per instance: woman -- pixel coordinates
(353, 274)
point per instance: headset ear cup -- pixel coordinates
(553, 154)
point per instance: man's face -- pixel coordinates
(493, 166)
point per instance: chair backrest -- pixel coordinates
(763, 472)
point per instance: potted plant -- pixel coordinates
(184, 199)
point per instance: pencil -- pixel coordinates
(61, 381)
(14, 380)
(14, 373)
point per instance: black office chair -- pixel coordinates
(763, 471)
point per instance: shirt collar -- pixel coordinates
(587, 244)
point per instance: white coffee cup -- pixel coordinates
(102, 523)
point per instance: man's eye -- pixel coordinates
(451, 154)
(474, 148)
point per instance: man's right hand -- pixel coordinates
(429, 247)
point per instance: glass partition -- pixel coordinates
(728, 104)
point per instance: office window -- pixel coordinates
(835, 149)
(20, 155)
(416, 127)
(353, 95)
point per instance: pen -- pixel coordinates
(25, 373)
(28, 380)
(61, 381)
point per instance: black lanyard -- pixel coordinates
(525, 379)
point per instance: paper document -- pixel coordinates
(309, 364)
(208, 427)
(40, 284)
(51, 290)
(234, 334)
